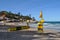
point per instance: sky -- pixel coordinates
(49, 8)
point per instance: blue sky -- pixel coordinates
(50, 8)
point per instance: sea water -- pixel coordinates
(55, 26)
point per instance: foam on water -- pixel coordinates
(47, 25)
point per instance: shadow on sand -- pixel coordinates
(23, 35)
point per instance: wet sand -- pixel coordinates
(30, 34)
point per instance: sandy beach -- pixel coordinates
(30, 34)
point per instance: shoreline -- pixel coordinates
(4, 29)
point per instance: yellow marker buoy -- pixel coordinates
(42, 20)
(40, 24)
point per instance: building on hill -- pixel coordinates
(9, 16)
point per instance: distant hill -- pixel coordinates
(17, 16)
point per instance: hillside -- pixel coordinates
(17, 16)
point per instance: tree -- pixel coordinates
(17, 16)
(33, 18)
(18, 13)
(30, 15)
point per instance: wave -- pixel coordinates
(47, 25)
